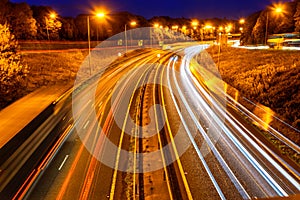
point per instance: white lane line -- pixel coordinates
(63, 162)
(86, 124)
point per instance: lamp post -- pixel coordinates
(241, 22)
(52, 16)
(133, 23)
(194, 25)
(99, 16)
(155, 27)
(267, 23)
(278, 9)
(89, 42)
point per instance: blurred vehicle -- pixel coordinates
(283, 39)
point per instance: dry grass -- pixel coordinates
(54, 45)
(52, 68)
(47, 69)
(270, 77)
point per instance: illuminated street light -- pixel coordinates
(89, 42)
(175, 27)
(195, 23)
(53, 17)
(228, 28)
(242, 21)
(156, 25)
(99, 15)
(132, 23)
(278, 9)
(208, 27)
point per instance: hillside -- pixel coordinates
(269, 77)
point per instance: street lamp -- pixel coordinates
(99, 16)
(89, 42)
(194, 23)
(242, 21)
(51, 16)
(156, 26)
(277, 9)
(132, 23)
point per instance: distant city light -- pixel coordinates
(242, 21)
(208, 26)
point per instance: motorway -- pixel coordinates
(157, 125)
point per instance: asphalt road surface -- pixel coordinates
(157, 125)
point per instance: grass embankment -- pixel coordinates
(270, 77)
(52, 68)
(55, 45)
(58, 68)
(47, 69)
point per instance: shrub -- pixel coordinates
(12, 72)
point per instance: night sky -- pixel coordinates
(181, 8)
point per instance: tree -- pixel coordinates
(47, 24)
(247, 35)
(12, 72)
(68, 30)
(297, 18)
(284, 22)
(3, 10)
(258, 32)
(19, 17)
(22, 24)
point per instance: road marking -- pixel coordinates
(184, 179)
(63, 162)
(114, 179)
(86, 124)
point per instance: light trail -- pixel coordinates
(192, 140)
(223, 163)
(114, 179)
(279, 190)
(185, 182)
